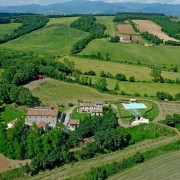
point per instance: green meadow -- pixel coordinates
(56, 38)
(134, 53)
(139, 72)
(58, 92)
(8, 28)
(10, 113)
(142, 88)
(108, 22)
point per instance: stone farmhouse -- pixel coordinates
(43, 117)
(95, 109)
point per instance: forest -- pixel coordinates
(88, 24)
(170, 27)
(14, 76)
(4, 20)
(29, 23)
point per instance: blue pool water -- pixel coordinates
(135, 106)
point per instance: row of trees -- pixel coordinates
(87, 23)
(29, 23)
(152, 38)
(4, 20)
(169, 26)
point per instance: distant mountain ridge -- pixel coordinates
(93, 7)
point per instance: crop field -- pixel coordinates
(158, 55)
(142, 88)
(138, 38)
(8, 28)
(53, 92)
(108, 22)
(78, 170)
(151, 27)
(139, 72)
(163, 167)
(125, 29)
(56, 38)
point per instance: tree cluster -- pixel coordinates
(152, 38)
(173, 120)
(4, 20)
(87, 23)
(14, 75)
(162, 96)
(115, 39)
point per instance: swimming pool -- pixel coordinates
(135, 106)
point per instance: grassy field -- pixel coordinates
(10, 113)
(157, 55)
(140, 73)
(139, 87)
(56, 38)
(53, 92)
(8, 28)
(163, 167)
(80, 116)
(108, 22)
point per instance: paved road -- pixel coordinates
(68, 115)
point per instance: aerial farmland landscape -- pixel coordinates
(89, 90)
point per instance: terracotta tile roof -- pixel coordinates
(13, 122)
(74, 122)
(42, 111)
(41, 124)
(90, 104)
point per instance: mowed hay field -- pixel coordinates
(108, 22)
(125, 29)
(139, 72)
(53, 92)
(56, 38)
(142, 88)
(151, 27)
(156, 55)
(8, 28)
(163, 167)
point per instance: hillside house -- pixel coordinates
(11, 124)
(95, 109)
(73, 123)
(43, 117)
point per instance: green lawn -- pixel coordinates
(150, 88)
(80, 116)
(54, 92)
(56, 38)
(163, 167)
(157, 55)
(10, 113)
(8, 28)
(139, 72)
(108, 22)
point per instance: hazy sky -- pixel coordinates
(46, 2)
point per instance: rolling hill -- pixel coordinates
(94, 7)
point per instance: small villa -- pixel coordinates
(95, 109)
(11, 124)
(43, 117)
(73, 123)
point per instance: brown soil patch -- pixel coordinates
(138, 38)
(151, 27)
(8, 164)
(125, 29)
(34, 84)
